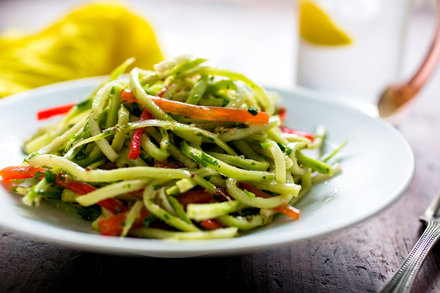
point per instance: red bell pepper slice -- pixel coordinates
(210, 224)
(202, 112)
(57, 110)
(282, 113)
(134, 150)
(20, 172)
(195, 196)
(113, 226)
(128, 96)
(7, 184)
(297, 132)
(74, 185)
(289, 211)
(112, 204)
(162, 92)
(202, 196)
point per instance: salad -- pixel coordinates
(184, 151)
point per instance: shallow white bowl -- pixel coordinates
(377, 163)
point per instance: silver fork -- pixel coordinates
(404, 277)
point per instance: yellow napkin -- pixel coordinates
(89, 41)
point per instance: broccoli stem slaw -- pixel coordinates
(184, 151)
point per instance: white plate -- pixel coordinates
(378, 166)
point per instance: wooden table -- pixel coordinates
(358, 259)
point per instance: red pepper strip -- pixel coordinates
(58, 110)
(210, 224)
(20, 172)
(23, 172)
(7, 184)
(112, 204)
(138, 193)
(289, 211)
(134, 150)
(113, 226)
(297, 132)
(203, 112)
(195, 196)
(286, 209)
(128, 96)
(74, 185)
(282, 113)
(162, 92)
(201, 196)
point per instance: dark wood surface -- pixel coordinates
(357, 259)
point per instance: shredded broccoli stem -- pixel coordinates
(200, 212)
(149, 201)
(106, 175)
(253, 201)
(110, 191)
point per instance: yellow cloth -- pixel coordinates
(89, 41)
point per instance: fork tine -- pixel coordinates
(432, 207)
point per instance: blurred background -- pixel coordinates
(255, 37)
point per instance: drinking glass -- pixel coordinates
(352, 48)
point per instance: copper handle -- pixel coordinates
(395, 97)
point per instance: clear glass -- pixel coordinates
(362, 69)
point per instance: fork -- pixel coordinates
(404, 277)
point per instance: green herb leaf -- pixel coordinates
(49, 176)
(251, 194)
(253, 111)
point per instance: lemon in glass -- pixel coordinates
(316, 26)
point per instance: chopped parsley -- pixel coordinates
(196, 158)
(84, 104)
(265, 145)
(206, 158)
(49, 176)
(253, 111)
(251, 194)
(38, 175)
(285, 149)
(148, 221)
(271, 193)
(241, 125)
